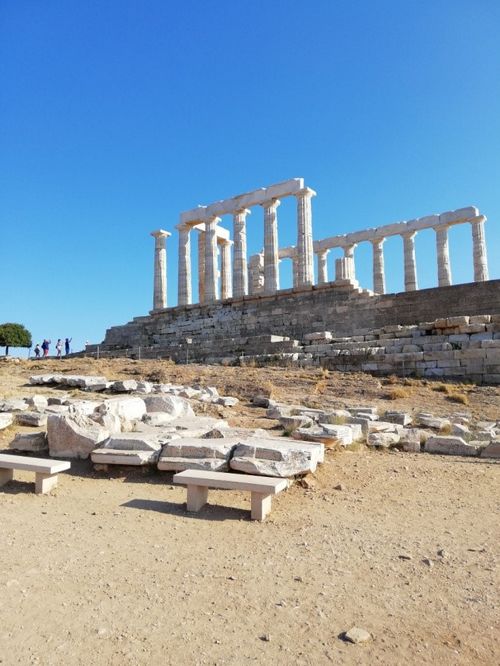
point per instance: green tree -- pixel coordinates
(14, 335)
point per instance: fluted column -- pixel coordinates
(240, 269)
(160, 269)
(271, 270)
(211, 259)
(184, 282)
(479, 250)
(443, 256)
(305, 268)
(378, 265)
(225, 269)
(295, 270)
(349, 256)
(201, 266)
(410, 263)
(322, 266)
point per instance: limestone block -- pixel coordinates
(37, 402)
(144, 387)
(227, 401)
(428, 420)
(366, 412)
(277, 411)
(322, 435)
(125, 408)
(111, 422)
(480, 319)
(57, 409)
(124, 386)
(73, 436)
(33, 441)
(384, 440)
(197, 453)
(451, 322)
(335, 416)
(448, 445)
(132, 441)
(83, 407)
(158, 419)
(460, 430)
(124, 457)
(382, 426)
(291, 423)
(401, 418)
(6, 419)
(491, 451)
(14, 405)
(31, 419)
(342, 434)
(272, 457)
(320, 335)
(85, 382)
(411, 440)
(188, 392)
(194, 426)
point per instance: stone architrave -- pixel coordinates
(201, 267)
(184, 284)
(443, 255)
(378, 266)
(322, 266)
(225, 269)
(479, 250)
(271, 270)
(240, 269)
(305, 253)
(410, 264)
(160, 269)
(211, 259)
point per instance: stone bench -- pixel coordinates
(45, 470)
(262, 488)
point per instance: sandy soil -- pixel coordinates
(111, 569)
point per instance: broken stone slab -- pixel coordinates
(128, 408)
(367, 412)
(385, 440)
(190, 393)
(74, 436)
(14, 405)
(411, 439)
(57, 409)
(197, 453)
(110, 421)
(6, 419)
(401, 418)
(124, 457)
(484, 435)
(194, 426)
(492, 450)
(40, 380)
(459, 430)
(170, 404)
(320, 435)
(336, 416)
(319, 335)
(291, 423)
(37, 402)
(272, 457)
(123, 386)
(132, 441)
(83, 407)
(32, 441)
(84, 382)
(277, 410)
(382, 426)
(452, 446)
(343, 434)
(158, 419)
(33, 419)
(144, 387)
(227, 401)
(430, 421)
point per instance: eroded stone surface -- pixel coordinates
(271, 457)
(170, 404)
(33, 441)
(453, 446)
(73, 436)
(6, 419)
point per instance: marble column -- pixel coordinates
(349, 257)
(160, 269)
(410, 263)
(184, 283)
(201, 266)
(305, 270)
(295, 270)
(479, 250)
(226, 282)
(211, 259)
(240, 269)
(322, 266)
(443, 256)
(271, 270)
(378, 265)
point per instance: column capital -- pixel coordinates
(160, 233)
(213, 219)
(225, 242)
(408, 234)
(380, 240)
(306, 192)
(272, 204)
(478, 220)
(242, 211)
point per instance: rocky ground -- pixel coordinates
(402, 545)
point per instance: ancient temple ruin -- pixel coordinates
(242, 310)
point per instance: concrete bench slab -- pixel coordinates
(261, 488)
(46, 471)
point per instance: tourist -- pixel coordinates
(66, 345)
(45, 347)
(37, 350)
(59, 347)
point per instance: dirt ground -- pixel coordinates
(109, 568)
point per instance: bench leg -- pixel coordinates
(44, 482)
(196, 497)
(6, 475)
(261, 506)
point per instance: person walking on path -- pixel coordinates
(37, 350)
(45, 347)
(59, 347)
(66, 345)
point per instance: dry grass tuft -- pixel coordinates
(320, 387)
(462, 398)
(391, 379)
(442, 388)
(397, 393)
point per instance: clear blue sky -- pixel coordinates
(116, 115)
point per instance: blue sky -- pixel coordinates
(115, 116)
